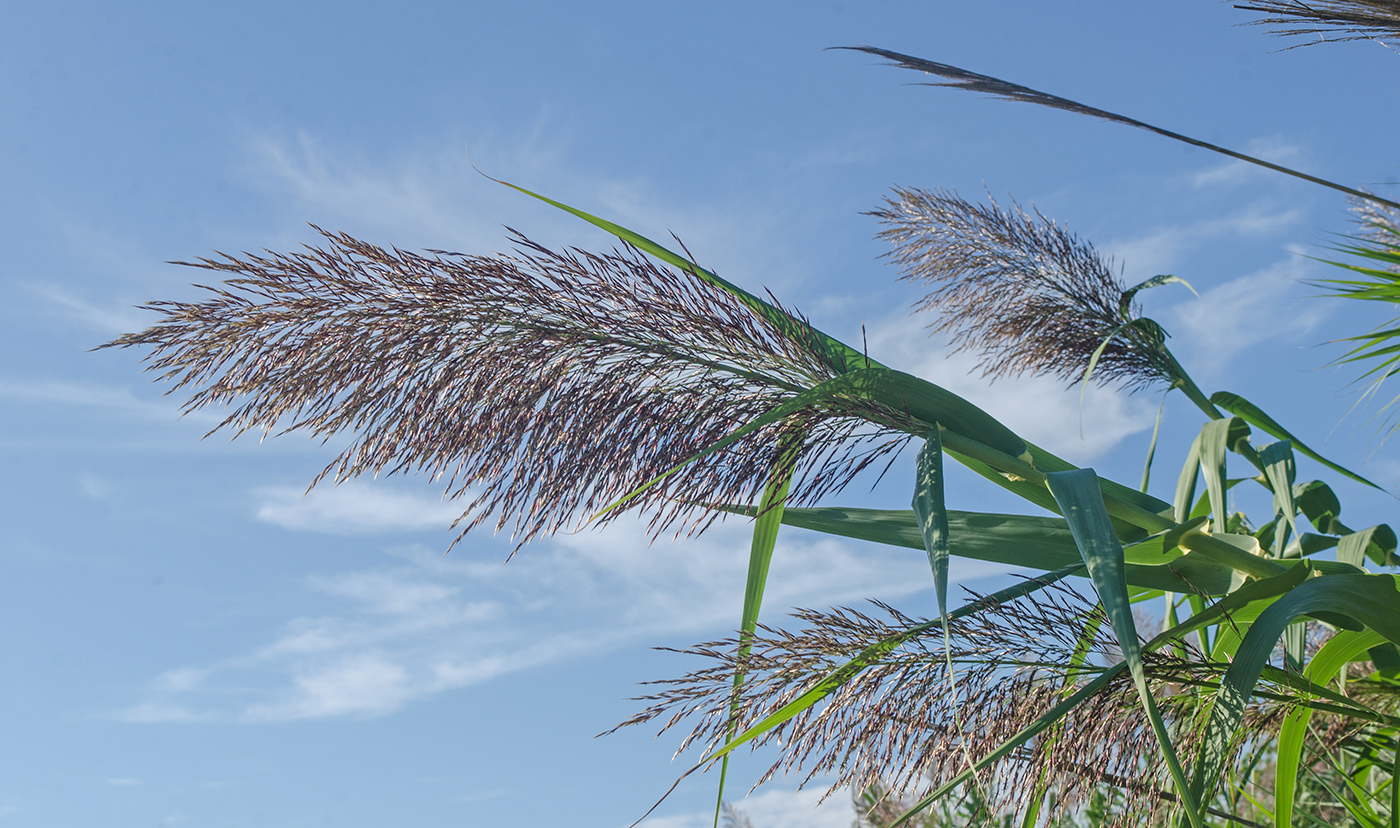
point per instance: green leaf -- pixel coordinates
(1250, 598)
(1216, 439)
(1152, 446)
(1094, 361)
(840, 356)
(765, 537)
(1186, 483)
(1368, 600)
(1015, 540)
(1126, 300)
(932, 515)
(1320, 504)
(1344, 648)
(1280, 471)
(1079, 497)
(1241, 407)
(928, 402)
(1046, 461)
(1351, 548)
(1239, 552)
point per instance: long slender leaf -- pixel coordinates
(928, 402)
(1125, 303)
(1326, 663)
(931, 512)
(1152, 446)
(1368, 600)
(1215, 442)
(1015, 540)
(765, 537)
(1252, 414)
(1046, 461)
(1280, 469)
(1082, 503)
(1186, 483)
(841, 357)
(963, 79)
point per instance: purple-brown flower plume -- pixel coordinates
(1022, 290)
(542, 386)
(1330, 20)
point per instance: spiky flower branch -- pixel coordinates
(1022, 290)
(898, 726)
(542, 385)
(1330, 20)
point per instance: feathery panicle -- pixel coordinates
(1021, 289)
(1379, 225)
(542, 385)
(1330, 20)
(897, 726)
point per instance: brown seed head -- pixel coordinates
(1022, 290)
(541, 385)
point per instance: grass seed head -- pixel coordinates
(541, 385)
(1021, 290)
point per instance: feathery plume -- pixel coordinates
(542, 385)
(897, 726)
(1379, 225)
(1021, 289)
(1329, 20)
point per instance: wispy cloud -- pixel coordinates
(775, 807)
(353, 508)
(429, 199)
(1161, 250)
(107, 318)
(423, 624)
(1273, 149)
(1269, 305)
(86, 395)
(433, 198)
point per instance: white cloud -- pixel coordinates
(1268, 305)
(359, 684)
(109, 319)
(355, 507)
(122, 782)
(1041, 409)
(85, 395)
(1273, 149)
(94, 486)
(179, 681)
(423, 624)
(410, 198)
(434, 199)
(1161, 250)
(774, 807)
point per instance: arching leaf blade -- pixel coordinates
(1252, 414)
(1081, 501)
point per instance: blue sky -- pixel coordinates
(190, 641)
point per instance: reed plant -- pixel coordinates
(553, 389)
